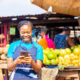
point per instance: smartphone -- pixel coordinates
(23, 53)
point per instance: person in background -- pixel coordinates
(2, 40)
(63, 40)
(50, 42)
(28, 66)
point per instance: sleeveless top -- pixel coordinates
(60, 41)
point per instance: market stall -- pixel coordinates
(51, 21)
(10, 15)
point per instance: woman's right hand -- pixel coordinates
(19, 60)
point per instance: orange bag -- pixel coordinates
(43, 43)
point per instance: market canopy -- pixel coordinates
(70, 7)
(17, 10)
(19, 7)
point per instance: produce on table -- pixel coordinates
(7, 46)
(50, 56)
(3, 52)
(62, 57)
(3, 57)
(70, 57)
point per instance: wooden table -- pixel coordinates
(69, 74)
(4, 67)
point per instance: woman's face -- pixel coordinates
(42, 34)
(26, 33)
(68, 33)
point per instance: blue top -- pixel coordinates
(14, 45)
(60, 41)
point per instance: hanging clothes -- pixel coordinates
(51, 44)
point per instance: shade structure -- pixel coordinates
(18, 8)
(70, 7)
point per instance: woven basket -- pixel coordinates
(48, 73)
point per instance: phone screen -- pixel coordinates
(25, 54)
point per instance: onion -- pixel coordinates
(3, 57)
(5, 50)
(1, 50)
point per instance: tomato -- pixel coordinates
(50, 56)
(53, 62)
(68, 51)
(62, 52)
(47, 62)
(76, 51)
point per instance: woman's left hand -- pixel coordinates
(28, 60)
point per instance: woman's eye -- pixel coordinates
(25, 32)
(28, 32)
(22, 32)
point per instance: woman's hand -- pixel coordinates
(19, 60)
(12, 64)
(27, 60)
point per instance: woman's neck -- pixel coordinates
(27, 42)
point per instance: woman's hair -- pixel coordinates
(21, 23)
(44, 30)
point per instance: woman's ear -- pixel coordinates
(20, 33)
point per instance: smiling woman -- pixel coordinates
(26, 33)
(25, 67)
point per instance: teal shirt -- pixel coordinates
(14, 45)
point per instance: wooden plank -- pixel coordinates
(1, 75)
(3, 66)
(79, 75)
(68, 74)
(6, 74)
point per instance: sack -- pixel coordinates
(48, 73)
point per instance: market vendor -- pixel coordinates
(2, 40)
(50, 42)
(25, 68)
(63, 40)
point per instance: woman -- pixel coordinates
(63, 40)
(50, 42)
(25, 68)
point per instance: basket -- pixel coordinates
(48, 73)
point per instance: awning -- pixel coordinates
(18, 8)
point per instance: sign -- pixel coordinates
(12, 31)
